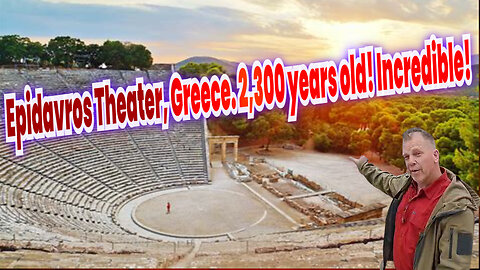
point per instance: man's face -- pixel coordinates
(421, 159)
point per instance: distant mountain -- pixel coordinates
(230, 67)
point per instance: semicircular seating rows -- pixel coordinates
(75, 184)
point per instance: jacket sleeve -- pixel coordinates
(456, 241)
(386, 182)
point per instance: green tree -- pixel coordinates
(200, 70)
(359, 114)
(321, 142)
(271, 126)
(64, 51)
(311, 120)
(93, 52)
(114, 55)
(138, 56)
(240, 125)
(13, 48)
(37, 53)
(466, 160)
(446, 145)
(214, 71)
(340, 134)
(443, 115)
(413, 120)
(451, 130)
(391, 148)
(360, 142)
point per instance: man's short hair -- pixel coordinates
(427, 136)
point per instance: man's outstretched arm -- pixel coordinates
(384, 181)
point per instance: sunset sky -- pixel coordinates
(298, 31)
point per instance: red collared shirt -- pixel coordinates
(412, 217)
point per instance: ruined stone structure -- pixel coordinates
(321, 206)
(224, 140)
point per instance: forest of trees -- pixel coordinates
(65, 51)
(376, 125)
(357, 127)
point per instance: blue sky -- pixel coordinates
(299, 31)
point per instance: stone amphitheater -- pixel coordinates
(72, 201)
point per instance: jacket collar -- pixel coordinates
(458, 197)
(432, 191)
(457, 193)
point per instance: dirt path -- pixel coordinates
(185, 261)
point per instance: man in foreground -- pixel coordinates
(430, 221)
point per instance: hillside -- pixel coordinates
(230, 67)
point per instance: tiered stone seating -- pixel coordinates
(78, 150)
(25, 231)
(156, 148)
(188, 141)
(12, 81)
(49, 80)
(159, 76)
(127, 158)
(73, 185)
(77, 80)
(130, 76)
(42, 189)
(35, 209)
(45, 163)
(115, 77)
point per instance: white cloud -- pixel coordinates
(297, 30)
